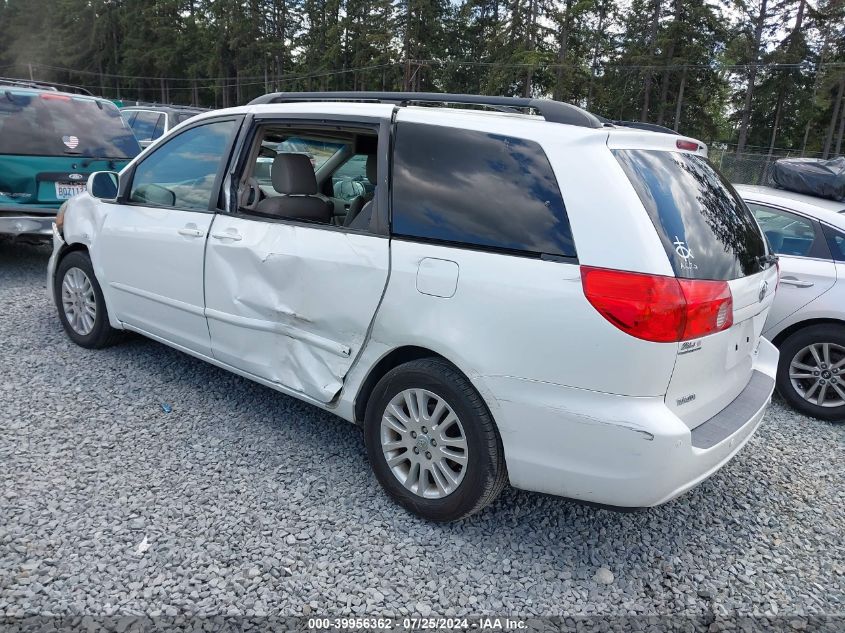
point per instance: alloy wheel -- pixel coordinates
(424, 443)
(78, 301)
(817, 373)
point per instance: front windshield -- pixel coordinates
(318, 152)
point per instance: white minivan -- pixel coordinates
(542, 299)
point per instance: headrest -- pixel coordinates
(372, 168)
(365, 144)
(293, 174)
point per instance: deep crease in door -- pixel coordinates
(293, 304)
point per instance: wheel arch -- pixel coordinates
(390, 360)
(796, 327)
(72, 248)
(81, 247)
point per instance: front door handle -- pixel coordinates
(191, 230)
(234, 236)
(794, 281)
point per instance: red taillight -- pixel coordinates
(710, 307)
(657, 308)
(688, 145)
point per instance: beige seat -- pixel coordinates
(293, 178)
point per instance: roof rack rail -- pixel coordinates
(44, 85)
(552, 111)
(156, 104)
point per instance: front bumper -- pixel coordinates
(619, 450)
(26, 224)
(58, 244)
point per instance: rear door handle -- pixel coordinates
(191, 230)
(235, 237)
(794, 281)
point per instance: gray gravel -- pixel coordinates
(244, 501)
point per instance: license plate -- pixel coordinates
(67, 190)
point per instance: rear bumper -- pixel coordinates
(619, 450)
(26, 224)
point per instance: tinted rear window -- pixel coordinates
(477, 189)
(705, 227)
(44, 124)
(836, 241)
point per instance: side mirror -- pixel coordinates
(103, 185)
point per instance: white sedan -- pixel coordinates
(807, 320)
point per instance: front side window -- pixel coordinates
(478, 189)
(706, 229)
(182, 171)
(788, 234)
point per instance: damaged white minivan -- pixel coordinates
(495, 296)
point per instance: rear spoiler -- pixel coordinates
(638, 125)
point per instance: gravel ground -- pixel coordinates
(243, 501)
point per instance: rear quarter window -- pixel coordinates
(705, 227)
(477, 189)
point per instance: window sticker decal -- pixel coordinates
(685, 253)
(71, 142)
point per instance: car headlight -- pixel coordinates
(60, 218)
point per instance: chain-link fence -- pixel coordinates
(750, 167)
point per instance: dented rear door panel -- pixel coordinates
(292, 303)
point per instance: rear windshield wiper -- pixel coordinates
(92, 159)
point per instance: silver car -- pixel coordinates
(807, 320)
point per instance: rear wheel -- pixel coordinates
(811, 371)
(432, 442)
(79, 299)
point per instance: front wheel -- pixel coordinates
(432, 442)
(811, 371)
(79, 300)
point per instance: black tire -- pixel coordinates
(101, 334)
(815, 334)
(484, 475)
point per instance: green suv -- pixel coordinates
(50, 142)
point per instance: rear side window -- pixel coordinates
(788, 233)
(836, 241)
(148, 125)
(705, 227)
(478, 189)
(56, 124)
